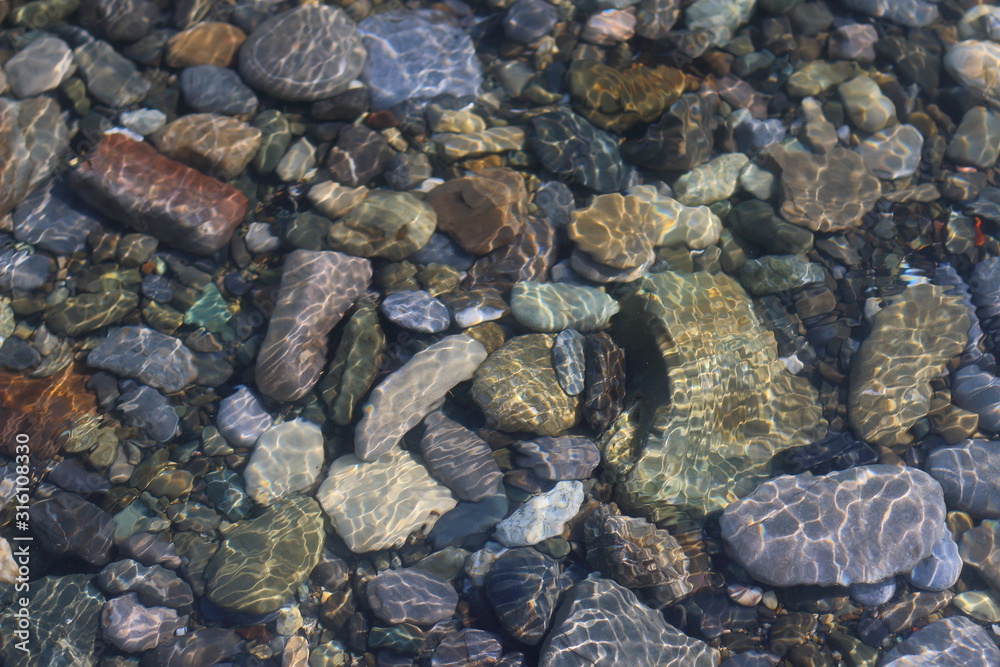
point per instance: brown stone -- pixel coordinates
(482, 212)
(616, 100)
(130, 182)
(219, 145)
(826, 193)
(614, 230)
(207, 43)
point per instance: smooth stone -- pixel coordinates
(979, 22)
(66, 524)
(523, 585)
(459, 458)
(978, 391)
(376, 505)
(65, 625)
(779, 273)
(481, 212)
(562, 458)
(892, 153)
(614, 230)
(316, 290)
(297, 162)
(756, 221)
(286, 458)
(241, 418)
(111, 78)
(817, 76)
(416, 310)
(204, 43)
(718, 19)
(826, 193)
(941, 569)
(569, 361)
(976, 141)
(154, 585)
(215, 144)
(334, 200)
(132, 183)
(119, 20)
(410, 595)
(149, 410)
(910, 13)
(133, 628)
(39, 67)
(969, 474)
(275, 137)
(354, 365)
(359, 155)
(263, 560)
(972, 63)
(873, 595)
(542, 516)
(392, 225)
(205, 646)
(213, 89)
(412, 392)
(711, 182)
(609, 27)
(599, 622)
(517, 388)
(682, 139)
(910, 342)
(574, 150)
(803, 521)
(33, 136)
(950, 642)
(655, 18)
(672, 223)
(867, 107)
(417, 54)
(304, 54)
(527, 21)
(980, 605)
(854, 41)
(143, 121)
(552, 307)
(820, 135)
(51, 219)
(148, 356)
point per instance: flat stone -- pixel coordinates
(517, 388)
(573, 149)
(303, 54)
(204, 43)
(523, 585)
(297, 162)
(563, 458)
(569, 361)
(867, 107)
(411, 393)
(910, 342)
(146, 409)
(978, 391)
(542, 516)
(263, 560)
(854, 41)
(132, 183)
(39, 67)
(417, 54)
(111, 78)
(972, 63)
(316, 290)
(818, 76)
(552, 307)
(616, 100)
(756, 221)
(334, 200)
(119, 20)
(609, 27)
(354, 365)
(976, 141)
(940, 570)
(911, 13)
(826, 193)
(148, 356)
(33, 136)
(481, 212)
(410, 595)
(703, 321)
(376, 505)
(711, 182)
(682, 139)
(416, 310)
(201, 647)
(143, 121)
(476, 144)
(459, 458)
(209, 142)
(969, 473)
(214, 89)
(614, 230)
(154, 585)
(386, 224)
(132, 627)
(718, 19)
(241, 418)
(950, 642)
(286, 458)
(810, 524)
(53, 220)
(892, 153)
(66, 524)
(601, 623)
(778, 273)
(359, 155)
(527, 21)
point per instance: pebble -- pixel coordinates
(410, 595)
(955, 640)
(976, 141)
(770, 524)
(523, 586)
(569, 361)
(241, 418)
(111, 78)
(562, 458)
(53, 220)
(39, 67)
(65, 523)
(34, 148)
(778, 273)
(969, 474)
(481, 212)
(854, 41)
(527, 21)
(391, 225)
(971, 63)
(873, 595)
(867, 107)
(542, 516)
(718, 19)
(416, 310)
(980, 605)
(209, 142)
(409, 394)
(213, 89)
(156, 586)
(303, 54)
(711, 182)
(557, 306)
(359, 155)
(133, 628)
(573, 149)
(911, 13)
(941, 569)
(153, 358)
(149, 410)
(609, 27)
(892, 153)
(204, 43)
(376, 505)
(143, 121)
(286, 458)
(296, 164)
(417, 54)
(459, 458)
(316, 290)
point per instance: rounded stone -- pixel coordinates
(416, 310)
(302, 55)
(411, 596)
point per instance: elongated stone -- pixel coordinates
(553, 307)
(130, 182)
(414, 391)
(316, 289)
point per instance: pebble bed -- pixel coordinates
(653, 333)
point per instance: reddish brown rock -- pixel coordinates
(209, 43)
(219, 145)
(482, 212)
(129, 181)
(528, 257)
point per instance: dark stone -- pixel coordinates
(67, 524)
(523, 586)
(359, 156)
(118, 20)
(575, 150)
(208, 88)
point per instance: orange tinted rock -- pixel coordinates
(208, 43)
(616, 100)
(482, 212)
(129, 181)
(615, 230)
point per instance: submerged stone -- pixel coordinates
(552, 307)
(354, 365)
(826, 193)
(574, 149)
(618, 99)
(459, 458)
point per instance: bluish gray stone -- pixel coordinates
(417, 54)
(527, 21)
(978, 391)
(153, 358)
(208, 88)
(872, 595)
(941, 569)
(955, 641)
(411, 595)
(569, 362)
(242, 418)
(969, 474)
(416, 310)
(149, 410)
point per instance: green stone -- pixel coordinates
(353, 368)
(386, 224)
(165, 319)
(84, 313)
(210, 311)
(263, 560)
